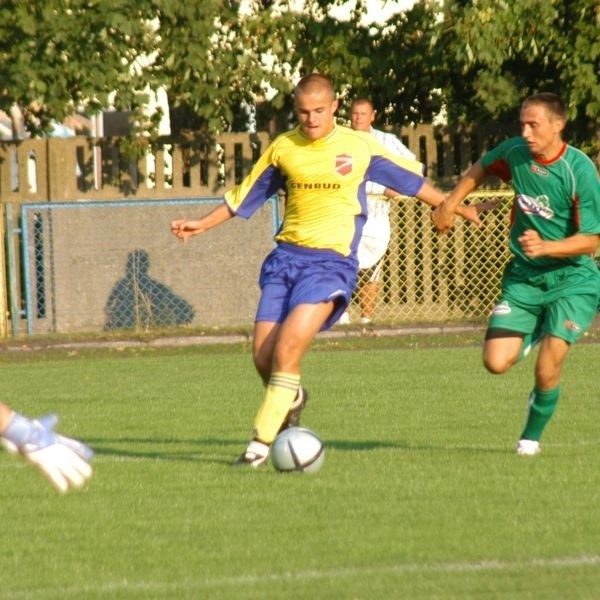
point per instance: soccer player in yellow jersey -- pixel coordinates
(308, 279)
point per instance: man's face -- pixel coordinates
(315, 110)
(541, 130)
(361, 116)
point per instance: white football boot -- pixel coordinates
(528, 448)
(255, 456)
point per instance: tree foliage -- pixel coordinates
(58, 55)
(211, 64)
(502, 51)
(477, 59)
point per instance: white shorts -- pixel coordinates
(376, 233)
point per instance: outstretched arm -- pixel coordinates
(187, 228)
(435, 198)
(443, 215)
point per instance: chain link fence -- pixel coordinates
(105, 266)
(427, 277)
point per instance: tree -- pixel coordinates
(497, 53)
(61, 55)
(57, 56)
(210, 65)
(477, 60)
(364, 59)
(403, 75)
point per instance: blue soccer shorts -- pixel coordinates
(293, 275)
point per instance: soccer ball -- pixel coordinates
(297, 449)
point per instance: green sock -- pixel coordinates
(542, 404)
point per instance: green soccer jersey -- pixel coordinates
(557, 198)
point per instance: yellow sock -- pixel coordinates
(281, 391)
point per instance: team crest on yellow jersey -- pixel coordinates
(343, 164)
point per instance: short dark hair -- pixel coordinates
(553, 103)
(313, 80)
(362, 100)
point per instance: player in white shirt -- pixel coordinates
(376, 233)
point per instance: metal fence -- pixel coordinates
(102, 266)
(112, 265)
(432, 278)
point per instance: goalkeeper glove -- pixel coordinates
(63, 461)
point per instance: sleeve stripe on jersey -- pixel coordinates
(403, 175)
(245, 199)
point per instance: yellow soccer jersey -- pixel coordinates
(325, 185)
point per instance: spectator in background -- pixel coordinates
(376, 232)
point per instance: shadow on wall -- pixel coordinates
(139, 302)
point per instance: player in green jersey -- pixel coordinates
(308, 279)
(551, 286)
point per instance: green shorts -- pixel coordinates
(561, 302)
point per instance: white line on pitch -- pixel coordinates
(107, 588)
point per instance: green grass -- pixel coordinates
(420, 497)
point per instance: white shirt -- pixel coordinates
(393, 144)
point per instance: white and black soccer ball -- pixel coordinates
(297, 449)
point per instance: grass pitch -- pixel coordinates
(421, 495)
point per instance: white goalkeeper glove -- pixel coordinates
(64, 461)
